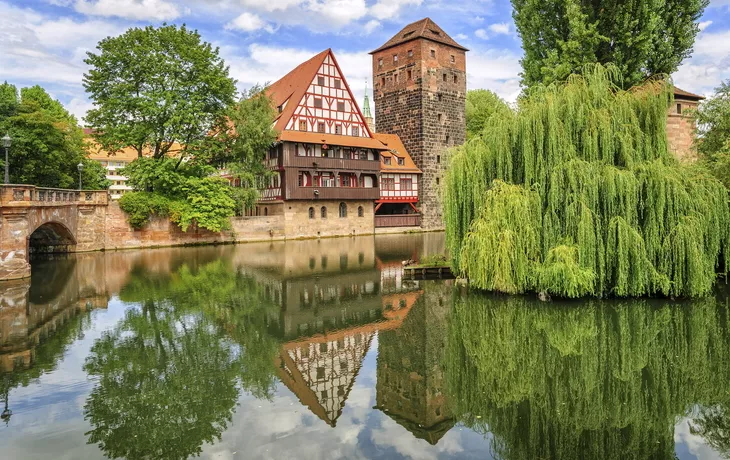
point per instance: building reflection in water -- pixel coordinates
(39, 320)
(599, 379)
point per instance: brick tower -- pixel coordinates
(419, 81)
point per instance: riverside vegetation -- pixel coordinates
(576, 194)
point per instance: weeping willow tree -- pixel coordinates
(576, 194)
(608, 380)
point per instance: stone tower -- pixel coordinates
(419, 81)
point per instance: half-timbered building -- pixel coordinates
(399, 179)
(326, 160)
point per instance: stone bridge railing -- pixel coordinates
(30, 195)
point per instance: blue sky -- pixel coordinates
(44, 41)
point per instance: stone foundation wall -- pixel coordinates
(298, 224)
(161, 232)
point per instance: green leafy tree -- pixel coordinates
(158, 89)
(252, 136)
(713, 142)
(641, 38)
(47, 141)
(166, 385)
(481, 104)
(576, 194)
(186, 192)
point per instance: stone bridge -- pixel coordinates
(35, 219)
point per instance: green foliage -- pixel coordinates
(602, 379)
(713, 143)
(586, 165)
(157, 89)
(562, 274)
(140, 206)
(186, 192)
(641, 39)
(481, 104)
(47, 142)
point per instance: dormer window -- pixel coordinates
(401, 161)
(407, 34)
(435, 32)
(386, 160)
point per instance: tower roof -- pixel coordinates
(426, 29)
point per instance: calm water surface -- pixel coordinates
(323, 350)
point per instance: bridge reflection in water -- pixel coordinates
(204, 331)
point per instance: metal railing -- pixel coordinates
(397, 220)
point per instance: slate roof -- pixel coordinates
(426, 29)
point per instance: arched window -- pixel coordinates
(311, 213)
(266, 211)
(343, 210)
(360, 211)
(324, 212)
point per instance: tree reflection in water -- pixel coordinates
(169, 373)
(596, 380)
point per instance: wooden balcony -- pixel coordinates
(333, 193)
(397, 220)
(332, 164)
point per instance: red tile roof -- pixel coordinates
(425, 28)
(331, 139)
(395, 148)
(678, 92)
(292, 87)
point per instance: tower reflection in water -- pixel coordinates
(599, 379)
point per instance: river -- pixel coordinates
(323, 350)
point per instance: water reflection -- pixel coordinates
(204, 339)
(605, 380)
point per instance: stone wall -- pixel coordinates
(161, 232)
(426, 110)
(681, 129)
(298, 224)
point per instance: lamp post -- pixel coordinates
(80, 167)
(6, 143)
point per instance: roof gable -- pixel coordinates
(393, 143)
(315, 99)
(425, 29)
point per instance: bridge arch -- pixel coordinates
(50, 237)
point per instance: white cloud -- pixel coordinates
(496, 70)
(248, 22)
(138, 10)
(709, 64)
(481, 33)
(391, 9)
(705, 24)
(461, 37)
(338, 12)
(502, 28)
(371, 26)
